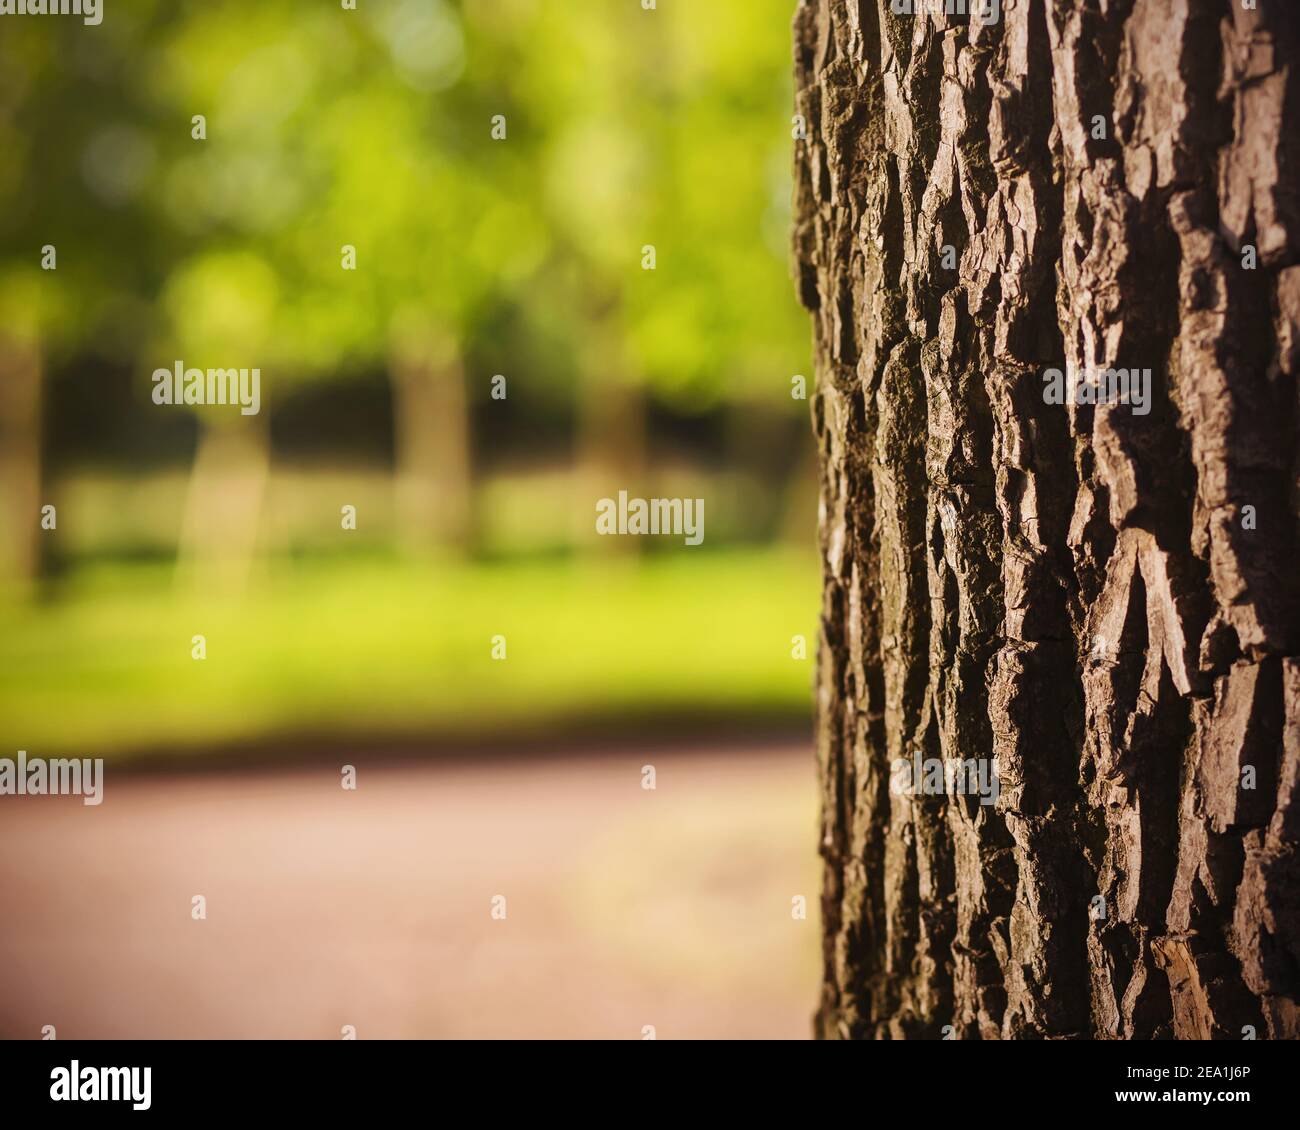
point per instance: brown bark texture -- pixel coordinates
(1098, 602)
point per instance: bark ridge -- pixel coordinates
(1102, 600)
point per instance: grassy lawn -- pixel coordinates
(368, 650)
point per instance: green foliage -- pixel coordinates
(671, 128)
(327, 127)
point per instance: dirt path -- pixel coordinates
(325, 908)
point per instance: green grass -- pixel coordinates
(365, 651)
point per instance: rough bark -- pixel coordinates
(1074, 590)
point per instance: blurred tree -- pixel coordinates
(234, 89)
(221, 314)
(76, 242)
(21, 340)
(352, 154)
(439, 217)
(667, 184)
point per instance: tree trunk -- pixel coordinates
(1102, 600)
(434, 478)
(612, 455)
(20, 464)
(220, 520)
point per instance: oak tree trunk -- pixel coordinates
(1103, 600)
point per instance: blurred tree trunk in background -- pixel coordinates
(20, 462)
(1103, 601)
(612, 454)
(434, 476)
(223, 504)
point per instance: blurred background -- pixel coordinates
(428, 223)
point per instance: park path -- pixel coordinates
(325, 908)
